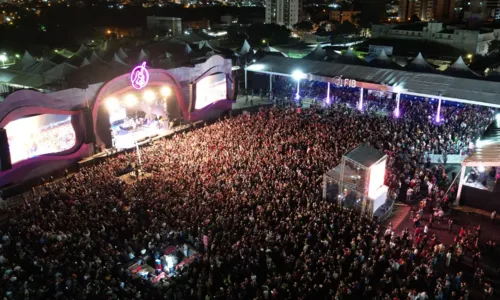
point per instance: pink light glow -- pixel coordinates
(139, 76)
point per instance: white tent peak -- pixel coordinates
(382, 56)
(459, 64)
(117, 59)
(187, 49)
(122, 54)
(105, 46)
(28, 60)
(85, 62)
(142, 56)
(245, 48)
(94, 58)
(81, 49)
(419, 60)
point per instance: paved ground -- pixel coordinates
(489, 261)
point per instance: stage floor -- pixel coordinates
(127, 140)
(478, 185)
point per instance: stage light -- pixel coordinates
(3, 57)
(131, 100)
(396, 89)
(112, 104)
(149, 97)
(481, 169)
(298, 75)
(165, 91)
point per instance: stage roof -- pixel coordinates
(365, 155)
(474, 91)
(487, 151)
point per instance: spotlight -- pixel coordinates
(131, 100)
(298, 75)
(165, 91)
(481, 169)
(149, 97)
(112, 104)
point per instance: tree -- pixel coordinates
(304, 26)
(494, 47)
(262, 34)
(361, 20)
(346, 28)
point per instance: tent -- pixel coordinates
(460, 69)
(383, 61)
(317, 54)
(59, 71)
(245, 48)
(418, 64)
(349, 57)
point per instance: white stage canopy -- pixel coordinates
(433, 85)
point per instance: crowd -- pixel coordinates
(246, 193)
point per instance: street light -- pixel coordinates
(3, 58)
(298, 75)
(469, 56)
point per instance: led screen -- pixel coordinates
(33, 136)
(210, 89)
(377, 175)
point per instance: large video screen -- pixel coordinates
(43, 134)
(377, 175)
(210, 89)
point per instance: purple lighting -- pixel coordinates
(396, 111)
(139, 76)
(438, 115)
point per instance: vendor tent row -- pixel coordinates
(87, 66)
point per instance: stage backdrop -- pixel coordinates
(181, 81)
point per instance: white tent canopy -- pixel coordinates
(432, 85)
(60, 71)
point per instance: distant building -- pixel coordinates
(472, 41)
(171, 25)
(423, 9)
(374, 9)
(196, 24)
(283, 12)
(343, 15)
(482, 10)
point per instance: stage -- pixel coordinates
(480, 177)
(127, 138)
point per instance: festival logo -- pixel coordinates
(139, 76)
(344, 82)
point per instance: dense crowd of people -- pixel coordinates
(246, 193)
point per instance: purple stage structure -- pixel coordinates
(72, 102)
